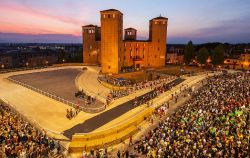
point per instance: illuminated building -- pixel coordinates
(243, 62)
(105, 45)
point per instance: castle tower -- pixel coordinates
(111, 40)
(130, 34)
(158, 38)
(91, 44)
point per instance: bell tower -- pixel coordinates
(111, 40)
(158, 38)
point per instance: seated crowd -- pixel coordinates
(215, 122)
(154, 93)
(20, 139)
(115, 81)
(114, 94)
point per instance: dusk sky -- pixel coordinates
(61, 20)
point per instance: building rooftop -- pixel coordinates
(130, 28)
(111, 10)
(89, 25)
(160, 18)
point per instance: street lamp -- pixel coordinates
(27, 64)
(2, 66)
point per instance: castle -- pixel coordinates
(105, 45)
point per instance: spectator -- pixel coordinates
(215, 122)
(20, 139)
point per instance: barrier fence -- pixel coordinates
(107, 137)
(57, 98)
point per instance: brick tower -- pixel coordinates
(91, 44)
(111, 40)
(157, 36)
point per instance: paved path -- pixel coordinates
(107, 116)
(88, 81)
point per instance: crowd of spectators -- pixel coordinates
(119, 82)
(155, 92)
(114, 94)
(20, 139)
(215, 122)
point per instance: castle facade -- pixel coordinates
(106, 46)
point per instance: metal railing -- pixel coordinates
(57, 98)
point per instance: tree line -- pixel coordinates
(201, 56)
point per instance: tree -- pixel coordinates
(218, 55)
(202, 55)
(189, 52)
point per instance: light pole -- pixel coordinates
(2, 66)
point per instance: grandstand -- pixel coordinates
(48, 113)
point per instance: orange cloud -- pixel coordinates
(27, 20)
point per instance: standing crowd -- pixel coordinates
(215, 122)
(20, 139)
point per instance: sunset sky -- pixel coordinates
(197, 20)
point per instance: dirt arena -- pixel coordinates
(60, 83)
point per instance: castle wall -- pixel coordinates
(136, 52)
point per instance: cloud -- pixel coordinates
(39, 13)
(23, 19)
